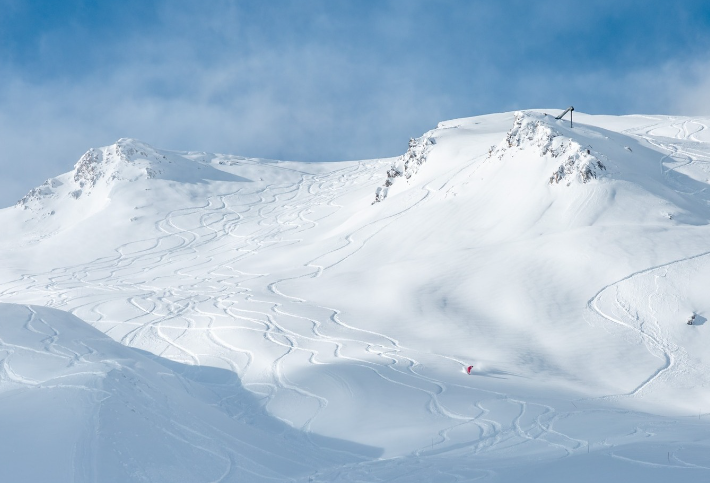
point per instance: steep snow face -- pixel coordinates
(356, 321)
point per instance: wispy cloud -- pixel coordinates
(690, 91)
(318, 80)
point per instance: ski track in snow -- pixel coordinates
(210, 311)
(185, 433)
(650, 330)
(182, 296)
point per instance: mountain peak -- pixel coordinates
(536, 132)
(126, 159)
(99, 170)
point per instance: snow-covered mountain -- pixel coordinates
(324, 314)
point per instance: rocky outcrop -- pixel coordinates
(531, 132)
(406, 165)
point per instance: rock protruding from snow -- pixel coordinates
(99, 170)
(406, 165)
(127, 159)
(531, 132)
(35, 195)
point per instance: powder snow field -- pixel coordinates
(77, 406)
(282, 321)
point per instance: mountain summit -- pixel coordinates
(100, 170)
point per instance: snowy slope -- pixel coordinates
(77, 406)
(562, 263)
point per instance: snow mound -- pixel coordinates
(530, 131)
(406, 165)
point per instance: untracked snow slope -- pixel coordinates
(347, 299)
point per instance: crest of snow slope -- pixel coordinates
(538, 142)
(77, 406)
(356, 320)
(530, 132)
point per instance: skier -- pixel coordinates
(468, 369)
(691, 319)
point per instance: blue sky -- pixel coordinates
(323, 80)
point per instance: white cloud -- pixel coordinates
(203, 78)
(306, 103)
(690, 90)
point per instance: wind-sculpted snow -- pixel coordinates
(343, 319)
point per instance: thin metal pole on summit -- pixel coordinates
(570, 109)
